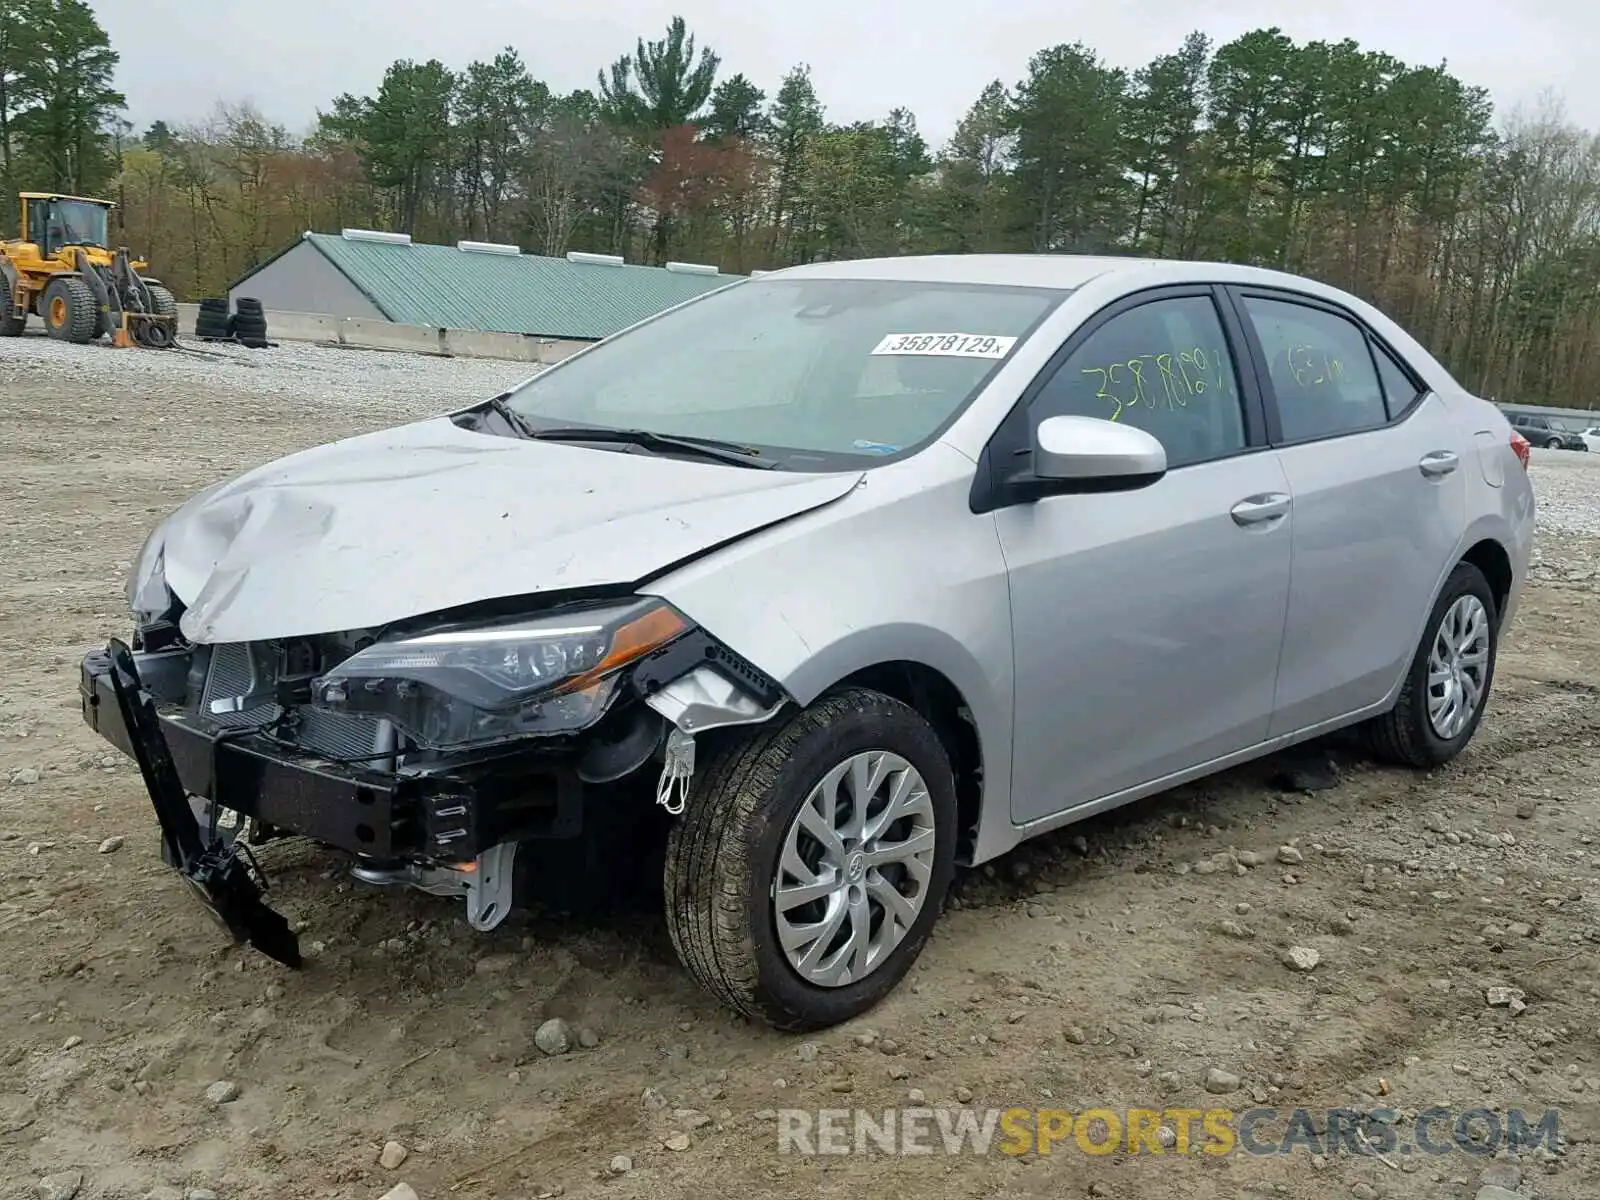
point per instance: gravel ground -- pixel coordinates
(294, 375)
(1153, 957)
(1568, 483)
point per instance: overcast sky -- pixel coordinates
(290, 56)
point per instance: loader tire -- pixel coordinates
(162, 302)
(12, 319)
(69, 310)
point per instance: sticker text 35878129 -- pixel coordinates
(948, 345)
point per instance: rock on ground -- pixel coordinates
(63, 1185)
(392, 1156)
(553, 1037)
(1301, 958)
(1220, 1082)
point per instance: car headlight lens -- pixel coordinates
(469, 687)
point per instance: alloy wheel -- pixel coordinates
(854, 869)
(1458, 667)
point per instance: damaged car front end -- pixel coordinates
(429, 751)
(476, 651)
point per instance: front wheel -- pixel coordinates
(1447, 685)
(69, 309)
(812, 859)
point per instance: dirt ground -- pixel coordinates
(1110, 966)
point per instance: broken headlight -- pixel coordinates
(488, 683)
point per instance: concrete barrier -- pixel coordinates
(359, 333)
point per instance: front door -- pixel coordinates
(1147, 623)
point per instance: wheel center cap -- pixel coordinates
(856, 867)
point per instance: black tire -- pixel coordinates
(156, 336)
(1404, 735)
(162, 302)
(723, 853)
(1553, 444)
(12, 319)
(215, 304)
(69, 310)
(245, 327)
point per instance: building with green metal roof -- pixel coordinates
(472, 285)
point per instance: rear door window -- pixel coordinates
(1323, 377)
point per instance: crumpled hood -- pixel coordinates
(429, 516)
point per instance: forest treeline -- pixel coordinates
(1395, 181)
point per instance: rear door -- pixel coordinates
(1377, 468)
(1147, 623)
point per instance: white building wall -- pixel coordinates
(303, 281)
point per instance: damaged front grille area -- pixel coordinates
(246, 686)
(234, 695)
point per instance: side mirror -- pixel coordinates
(1086, 454)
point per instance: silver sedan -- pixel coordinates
(862, 570)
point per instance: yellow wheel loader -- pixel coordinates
(62, 267)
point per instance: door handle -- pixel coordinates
(1439, 463)
(1260, 509)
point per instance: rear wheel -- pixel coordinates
(13, 320)
(812, 860)
(1447, 685)
(69, 311)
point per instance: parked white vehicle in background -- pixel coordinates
(1591, 438)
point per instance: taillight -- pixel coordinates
(1521, 448)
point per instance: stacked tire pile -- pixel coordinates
(247, 325)
(211, 324)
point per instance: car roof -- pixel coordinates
(1063, 271)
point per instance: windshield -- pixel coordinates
(76, 223)
(808, 371)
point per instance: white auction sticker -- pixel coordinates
(949, 345)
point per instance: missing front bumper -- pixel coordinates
(433, 813)
(449, 829)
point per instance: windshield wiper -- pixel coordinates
(728, 452)
(512, 417)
